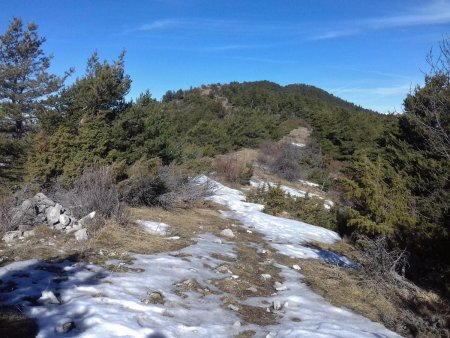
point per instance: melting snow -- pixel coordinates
(111, 304)
(155, 228)
(291, 191)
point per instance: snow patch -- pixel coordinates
(154, 228)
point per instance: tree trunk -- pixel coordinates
(19, 129)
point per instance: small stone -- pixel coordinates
(59, 226)
(296, 267)
(218, 241)
(265, 276)
(249, 231)
(276, 305)
(48, 297)
(64, 220)
(280, 287)
(28, 233)
(271, 334)
(227, 233)
(233, 307)
(40, 219)
(11, 236)
(41, 199)
(237, 324)
(81, 235)
(235, 276)
(65, 327)
(52, 214)
(86, 219)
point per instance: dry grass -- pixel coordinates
(299, 135)
(249, 266)
(410, 312)
(252, 314)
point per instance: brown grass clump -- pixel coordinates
(232, 169)
(252, 314)
(113, 237)
(186, 223)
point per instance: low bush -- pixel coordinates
(282, 159)
(95, 190)
(169, 188)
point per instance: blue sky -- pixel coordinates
(368, 52)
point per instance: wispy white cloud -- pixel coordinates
(333, 34)
(435, 12)
(265, 60)
(401, 89)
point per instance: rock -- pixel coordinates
(227, 233)
(237, 324)
(265, 276)
(81, 235)
(233, 307)
(218, 241)
(11, 236)
(40, 219)
(285, 305)
(41, 200)
(52, 214)
(41, 208)
(296, 267)
(271, 334)
(276, 305)
(64, 327)
(28, 233)
(86, 219)
(26, 205)
(48, 297)
(64, 220)
(74, 227)
(280, 287)
(59, 226)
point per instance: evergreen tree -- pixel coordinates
(25, 81)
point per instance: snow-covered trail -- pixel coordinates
(115, 304)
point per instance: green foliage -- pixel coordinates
(24, 79)
(380, 201)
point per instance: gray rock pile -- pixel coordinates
(41, 210)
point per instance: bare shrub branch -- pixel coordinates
(169, 189)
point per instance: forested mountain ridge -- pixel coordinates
(340, 127)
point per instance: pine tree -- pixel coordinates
(25, 82)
